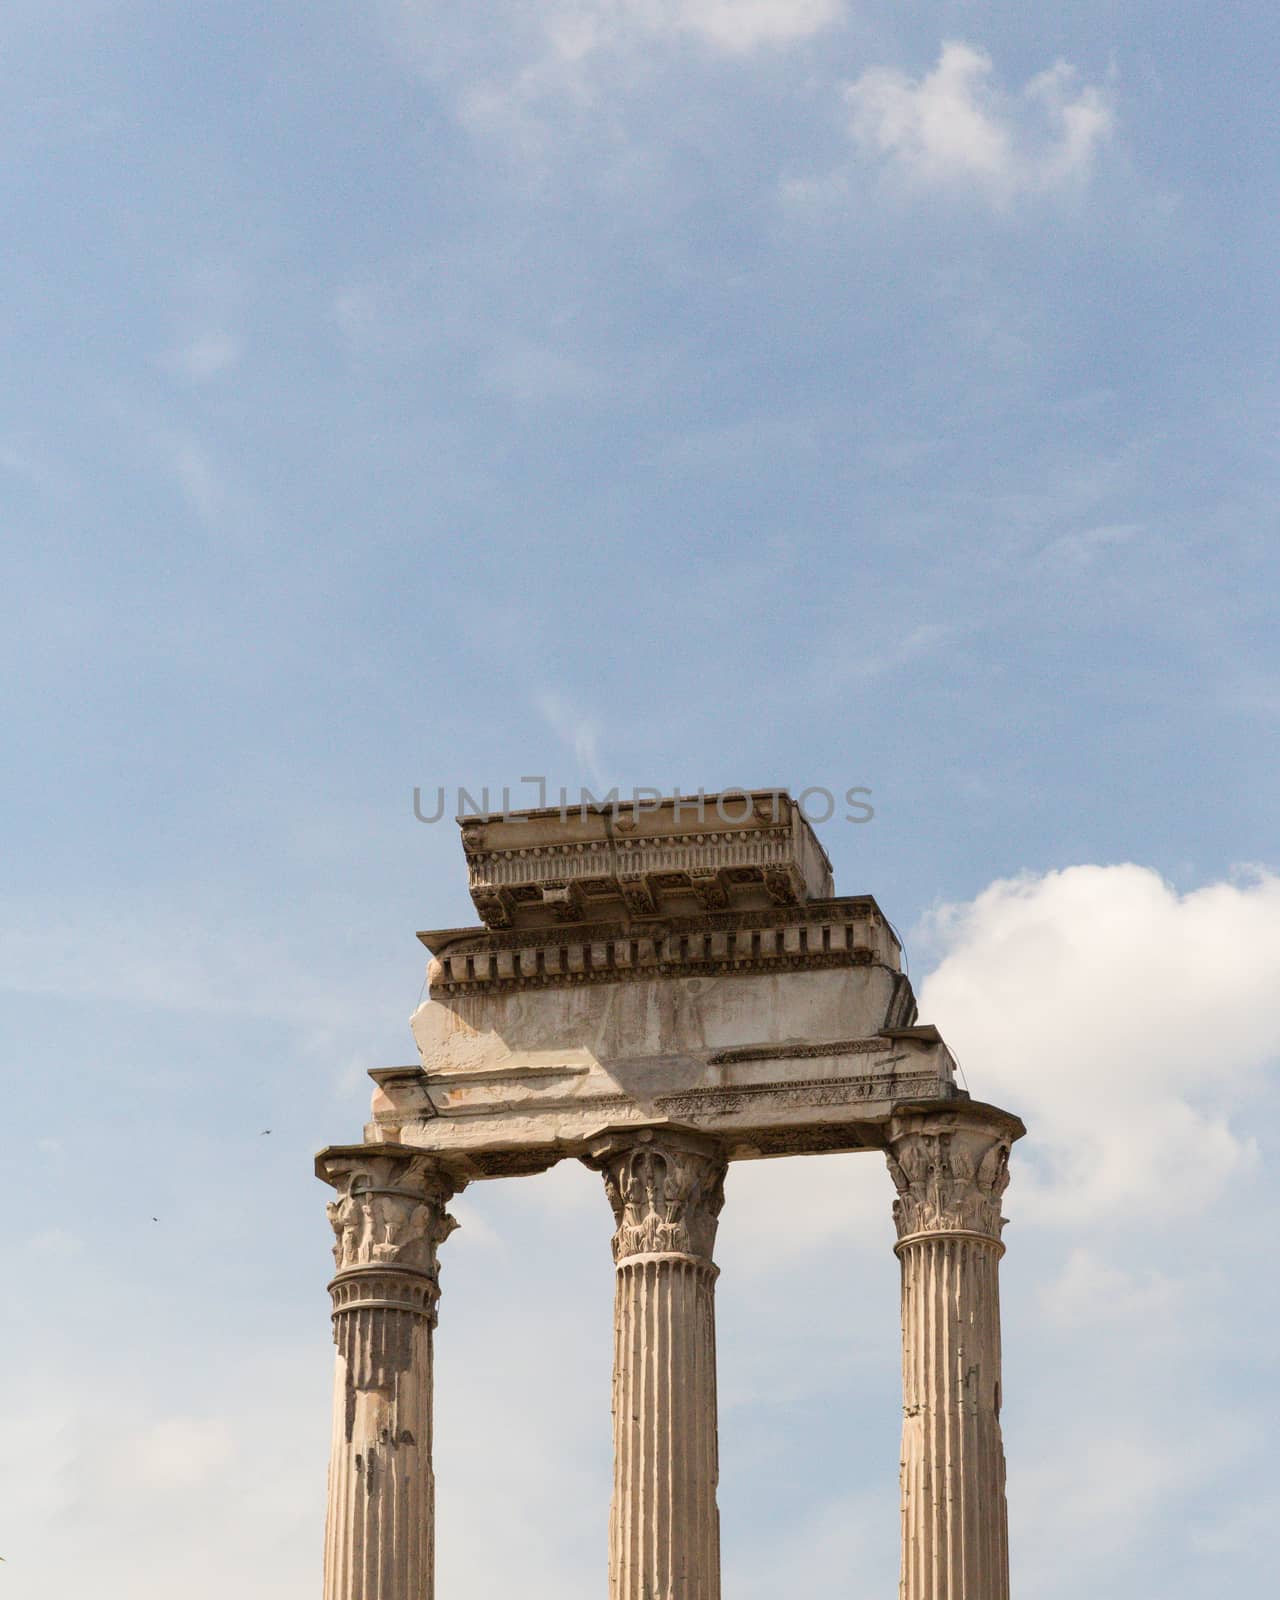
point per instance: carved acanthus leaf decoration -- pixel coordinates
(949, 1179)
(389, 1213)
(666, 1198)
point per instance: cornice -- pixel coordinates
(845, 908)
(535, 869)
(561, 965)
(823, 934)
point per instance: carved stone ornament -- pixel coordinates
(389, 1213)
(492, 904)
(708, 885)
(637, 895)
(950, 1173)
(666, 1194)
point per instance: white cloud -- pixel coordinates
(955, 127)
(1127, 1023)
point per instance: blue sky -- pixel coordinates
(651, 392)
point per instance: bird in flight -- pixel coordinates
(264, 1133)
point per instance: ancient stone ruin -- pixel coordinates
(658, 991)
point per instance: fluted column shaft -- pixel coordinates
(950, 1168)
(666, 1190)
(388, 1220)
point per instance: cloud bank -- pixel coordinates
(1129, 1024)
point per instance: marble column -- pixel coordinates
(951, 1167)
(666, 1189)
(388, 1220)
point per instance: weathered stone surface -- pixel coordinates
(666, 1190)
(594, 863)
(950, 1168)
(743, 1057)
(388, 1221)
(775, 1028)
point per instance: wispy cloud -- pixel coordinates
(153, 957)
(1083, 549)
(853, 660)
(213, 492)
(544, 59)
(197, 476)
(577, 729)
(205, 356)
(25, 460)
(527, 371)
(571, 31)
(732, 26)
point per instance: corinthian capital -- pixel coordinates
(950, 1168)
(390, 1208)
(666, 1190)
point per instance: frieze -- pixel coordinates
(724, 1100)
(807, 1092)
(712, 866)
(787, 1052)
(747, 844)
